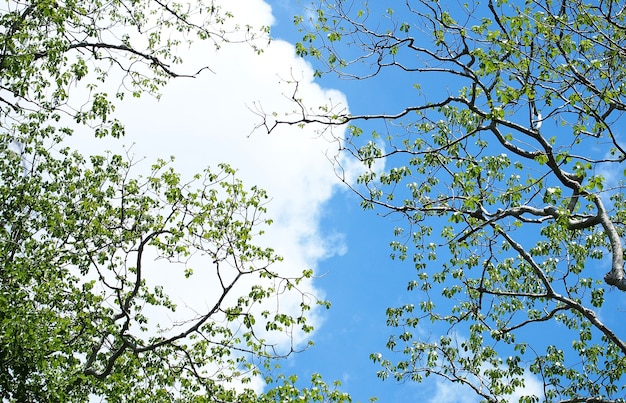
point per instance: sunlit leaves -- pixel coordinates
(285, 390)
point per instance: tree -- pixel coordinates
(81, 237)
(506, 162)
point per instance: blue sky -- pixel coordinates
(364, 282)
(318, 222)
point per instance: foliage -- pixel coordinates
(505, 159)
(318, 391)
(82, 239)
(50, 49)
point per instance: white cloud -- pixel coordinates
(207, 120)
(533, 386)
(446, 391)
(443, 390)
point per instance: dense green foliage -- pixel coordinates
(83, 312)
(505, 158)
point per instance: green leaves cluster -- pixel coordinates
(50, 49)
(79, 239)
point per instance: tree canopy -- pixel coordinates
(82, 237)
(505, 160)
